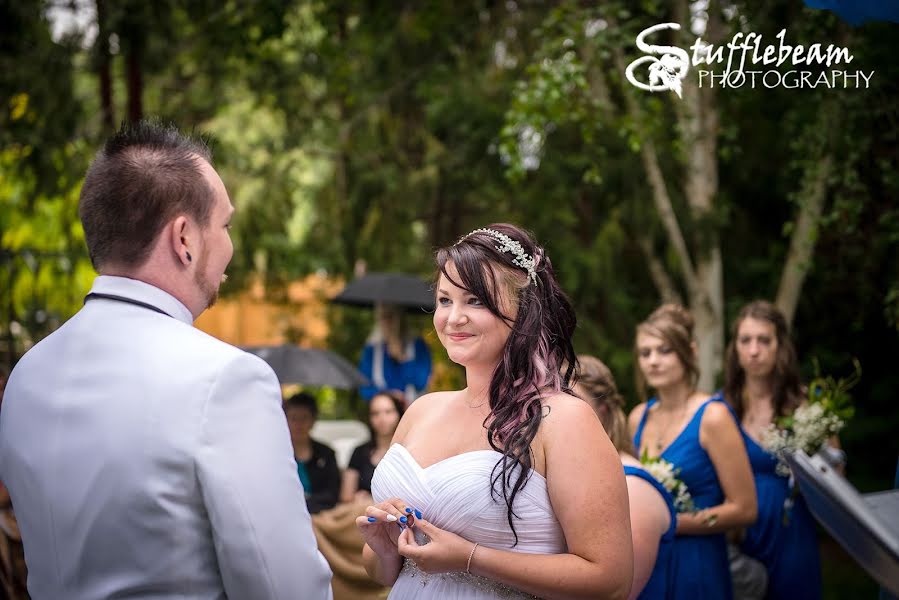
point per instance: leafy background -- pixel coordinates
(349, 131)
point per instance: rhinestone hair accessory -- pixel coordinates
(507, 244)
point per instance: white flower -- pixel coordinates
(812, 425)
(663, 471)
(666, 474)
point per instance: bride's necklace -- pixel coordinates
(475, 400)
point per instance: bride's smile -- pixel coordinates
(468, 330)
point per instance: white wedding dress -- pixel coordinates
(454, 494)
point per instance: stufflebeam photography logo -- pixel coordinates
(746, 63)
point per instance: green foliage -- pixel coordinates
(43, 265)
(833, 394)
(46, 272)
(37, 110)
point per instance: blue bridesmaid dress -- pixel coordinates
(699, 568)
(660, 579)
(789, 550)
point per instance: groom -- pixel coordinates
(146, 459)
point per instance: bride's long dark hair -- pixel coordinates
(538, 358)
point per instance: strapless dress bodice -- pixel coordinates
(455, 495)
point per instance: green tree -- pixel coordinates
(671, 204)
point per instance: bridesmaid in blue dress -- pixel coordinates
(699, 436)
(655, 584)
(652, 512)
(762, 384)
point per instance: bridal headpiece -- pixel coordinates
(507, 244)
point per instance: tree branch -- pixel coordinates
(660, 278)
(659, 189)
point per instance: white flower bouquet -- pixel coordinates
(666, 473)
(824, 415)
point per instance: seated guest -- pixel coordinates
(316, 463)
(384, 413)
(653, 517)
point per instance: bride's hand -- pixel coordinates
(445, 553)
(380, 525)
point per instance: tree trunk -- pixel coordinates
(709, 317)
(698, 121)
(104, 67)
(802, 242)
(705, 290)
(811, 199)
(707, 296)
(135, 80)
(702, 268)
(343, 210)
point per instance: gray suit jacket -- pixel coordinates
(146, 459)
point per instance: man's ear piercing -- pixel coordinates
(187, 254)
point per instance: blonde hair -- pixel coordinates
(597, 380)
(674, 324)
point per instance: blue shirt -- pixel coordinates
(396, 375)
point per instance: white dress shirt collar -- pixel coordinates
(142, 292)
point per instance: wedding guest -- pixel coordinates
(145, 458)
(393, 358)
(700, 437)
(652, 511)
(384, 413)
(316, 462)
(499, 479)
(762, 383)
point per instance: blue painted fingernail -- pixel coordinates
(403, 519)
(408, 510)
(417, 514)
(372, 519)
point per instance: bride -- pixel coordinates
(508, 487)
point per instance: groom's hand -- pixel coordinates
(445, 553)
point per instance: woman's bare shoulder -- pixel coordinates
(717, 415)
(428, 401)
(566, 417)
(563, 407)
(423, 408)
(633, 419)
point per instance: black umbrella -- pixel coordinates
(390, 288)
(310, 366)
